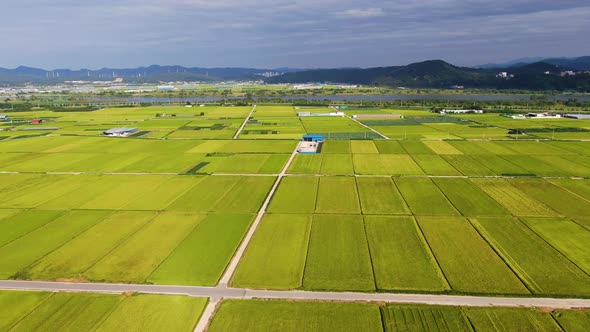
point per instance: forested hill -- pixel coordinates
(440, 74)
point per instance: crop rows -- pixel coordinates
(256, 315)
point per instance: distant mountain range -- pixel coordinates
(540, 75)
(151, 74)
(440, 74)
(579, 63)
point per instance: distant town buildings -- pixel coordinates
(270, 74)
(504, 75)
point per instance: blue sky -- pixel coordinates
(275, 33)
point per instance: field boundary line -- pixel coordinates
(364, 125)
(229, 271)
(424, 243)
(123, 241)
(244, 123)
(530, 285)
(560, 254)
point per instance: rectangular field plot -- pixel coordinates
(318, 125)
(578, 187)
(295, 316)
(566, 236)
(14, 305)
(501, 165)
(306, 164)
(389, 147)
(541, 267)
(337, 195)
(247, 196)
(380, 196)
(424, 197)
(581, 148)
(244, 163)
(566, 165)
(20, 224)
(442, 147)
(25, 250)
(338, 255)
(275, 258)
(131, 262)
(434, 165)
(510, 319)
(468, 166)
(244, 146)
(119, 195)
(468, 198)
(573, 320)
(468, 262)
(513, 200)
(385, 164)
(401, 258)
(224, 194)
(415, 147)
(155, 313)
(420, 318)
(295, 195)
(555, 197)
(72, 259)
(165, 194)
(69, 312)
(201, 258)
(54, 187)
(534, 165)
(534, 148)
(363, 147)
(481, 148)
(338, 164)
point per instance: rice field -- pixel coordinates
(40, 311)
(477, 270)
(276, 256)
(431, 212)
(260, 315)
(338, 256)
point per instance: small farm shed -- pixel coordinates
(313, 138)
(120, 132)
(310, 144)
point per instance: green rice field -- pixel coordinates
(447, 205)
(40, 311)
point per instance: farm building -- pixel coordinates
(37, 121)
(120, 132)
(445, 111)
(543, 116)
(578, 116)
(304, 114)
(377, 116)
(310, 144)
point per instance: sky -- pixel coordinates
(74, 34)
